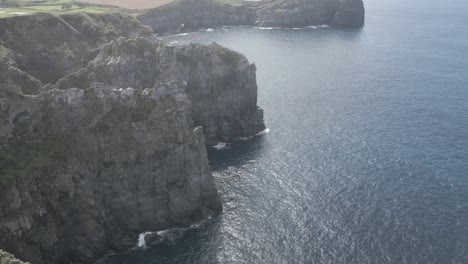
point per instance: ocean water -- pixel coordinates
(366, 159)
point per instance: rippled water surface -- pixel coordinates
(366, 160)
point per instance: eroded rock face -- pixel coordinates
(350, 14)
(83, 171)
(48, 47)
(297, 13)
(221, 83)
(188, 15)
(115, 148)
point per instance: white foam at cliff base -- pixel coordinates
(210, 30)
(141, 239)
(264, 132)
(220, 146)
(265, 28)
(168, 234)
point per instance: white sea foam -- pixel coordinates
(265, 28)
(168, 234)
(210, 30)
(220, 146)
(141, 240)
(264, 132)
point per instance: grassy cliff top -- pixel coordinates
(10, 8)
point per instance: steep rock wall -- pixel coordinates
(350, 14)
(113, 149)
(189, 15)
(85, 171)
(221, 83)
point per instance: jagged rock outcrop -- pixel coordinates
(48, 47)
(221, 83)
(7, 258)
(83, 171)
(189, 15)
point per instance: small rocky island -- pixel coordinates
(104, 128)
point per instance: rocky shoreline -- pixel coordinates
(188, 15)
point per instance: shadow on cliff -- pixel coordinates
(237, 153)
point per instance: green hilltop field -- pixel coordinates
(10, 8)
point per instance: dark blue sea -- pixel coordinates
(366, 158)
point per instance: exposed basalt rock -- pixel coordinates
(350, 14)
(297, 13)
(83, 171)
(7, 258)
(48, 47)
(221, 83)
(153, 239)
(188, 15)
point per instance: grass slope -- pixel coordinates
(10, 8)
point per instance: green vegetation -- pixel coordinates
(10, 8)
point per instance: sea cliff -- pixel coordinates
(187, 15)
(112, 142)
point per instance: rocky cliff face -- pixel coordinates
(188, 15)
(87, 170)
(115, 148)
(48, 47)
(350, 14)
(297, 13)
(221, 83)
